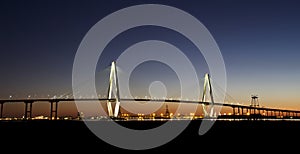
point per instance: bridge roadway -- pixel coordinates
(237, 109)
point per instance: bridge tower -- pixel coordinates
(207, 87)
(254, 101)
(113, 89)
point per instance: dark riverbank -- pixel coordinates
(55, 136)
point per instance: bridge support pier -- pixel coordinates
(53, 109)
(28, 110)
(1, 110)
(233, 111)
(242, 111)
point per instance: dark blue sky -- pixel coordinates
(259, 41)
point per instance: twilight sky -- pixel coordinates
(259, 41)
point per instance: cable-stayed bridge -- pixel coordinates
(238, 111)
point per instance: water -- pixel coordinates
(249, 135)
